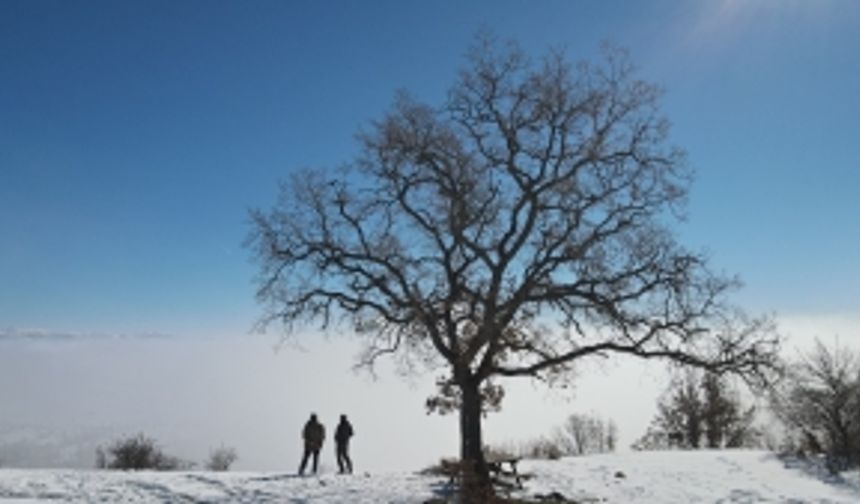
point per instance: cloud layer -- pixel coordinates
(45, 335)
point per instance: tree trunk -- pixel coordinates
(476, 486)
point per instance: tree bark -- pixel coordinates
(476, 485)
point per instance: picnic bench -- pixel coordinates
(505, 468)
(502, 470)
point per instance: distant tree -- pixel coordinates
(520, 226)
(221, 459)
(573, 434)
(717, 410)
(819, 402)
(727, 424)
(743, 433)
(697, 407)
(682, 413)
(652, 439)
(586, 434)
(611, 436)
(101, 458)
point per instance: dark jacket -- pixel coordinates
(313, 434)
(343, 432)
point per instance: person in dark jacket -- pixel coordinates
(313, 435)
(341, 440)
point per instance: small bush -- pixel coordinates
(137, 453)
(221, 459)
(544, 448)
(133, 453)
(446, 467)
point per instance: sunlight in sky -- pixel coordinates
(725, 15)
(722, 23)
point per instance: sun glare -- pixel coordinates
(725, 21)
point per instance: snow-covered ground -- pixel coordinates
(650, 477)
(692, 476)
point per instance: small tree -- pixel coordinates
(221, 459)
(520, 226)
(586, 434)
(697, 406)
(679, 416)
(819, 401)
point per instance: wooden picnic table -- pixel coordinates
(497, 468)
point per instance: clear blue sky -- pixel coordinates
(135, 135)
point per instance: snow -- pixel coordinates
(671, 477)
(689, 476)
(145, 486)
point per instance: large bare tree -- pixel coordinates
(522, 225)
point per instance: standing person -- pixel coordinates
(313, 435)
(341, 439)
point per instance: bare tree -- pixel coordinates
(585, 434)
(519, 227)
(820, 402)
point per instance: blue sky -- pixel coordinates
(134, 136)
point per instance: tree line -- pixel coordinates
(816, 401)
(700, 410)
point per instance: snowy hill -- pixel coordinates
(651, 477)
